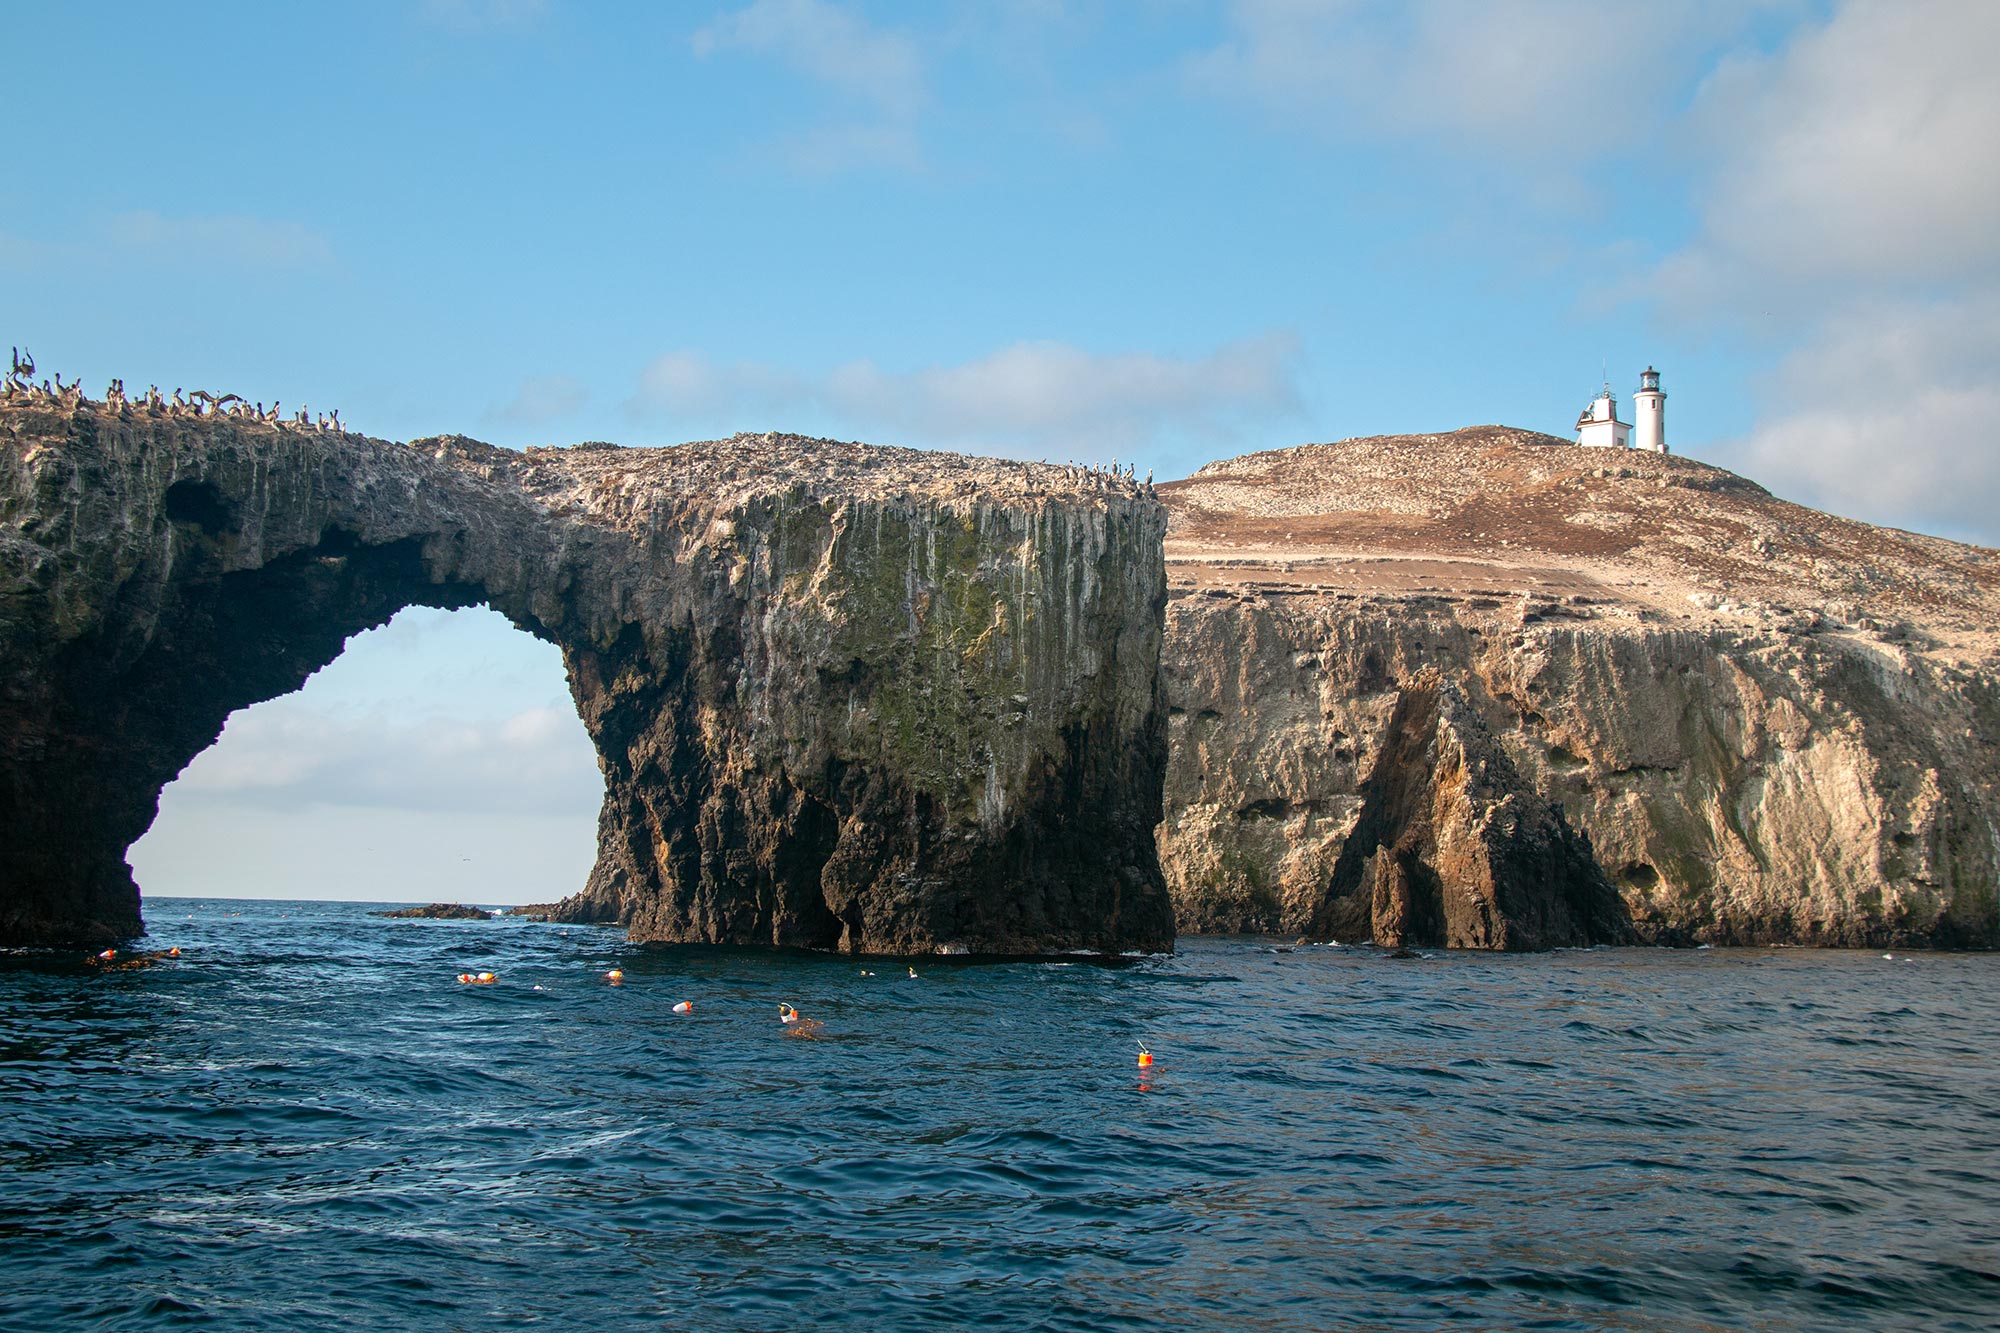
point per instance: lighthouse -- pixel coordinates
(1649, 414)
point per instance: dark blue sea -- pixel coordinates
(305, 1122)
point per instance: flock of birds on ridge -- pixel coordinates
(1099, 474)
(19, 384)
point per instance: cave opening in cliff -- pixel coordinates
(437, 758)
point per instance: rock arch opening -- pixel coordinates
(437, 758)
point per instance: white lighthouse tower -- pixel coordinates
(1599, 426)
(1649, 414)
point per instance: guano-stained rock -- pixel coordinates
(842, 697)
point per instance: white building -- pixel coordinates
(1599, 426)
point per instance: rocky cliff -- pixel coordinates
(842, 696)
(1492, 689)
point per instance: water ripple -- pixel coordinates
(305, 1119)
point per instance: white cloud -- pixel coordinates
(537, 727)
(878, 73)
(1889, 416)
(1540, 80)
(828, 43)
(543, 399)
(1029, 396)
(229, 238)
(687, 383)
(217, 847)
(1863, 151)
(1855, 204)
(287, 754)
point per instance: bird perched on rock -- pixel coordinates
(797, 1024)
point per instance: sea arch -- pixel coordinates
(843, 697)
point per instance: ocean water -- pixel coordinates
(305, 1122)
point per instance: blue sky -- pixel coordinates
(1167, 231)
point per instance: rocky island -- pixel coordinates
(1486, 689)
(1492, 689)
(843, 697)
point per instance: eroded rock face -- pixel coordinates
(1329, 779)
(842, 697)
(1450, 847)
(1764, 725)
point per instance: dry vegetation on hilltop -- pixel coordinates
(1492, 511)
(1768, 725)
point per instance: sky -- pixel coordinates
(1165, 231)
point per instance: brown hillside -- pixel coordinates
(1491, 512)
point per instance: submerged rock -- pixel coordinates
(842, 697)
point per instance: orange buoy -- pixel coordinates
(465, 978)
(107, 955)
(174, 952)
(486, 978)
(684, 1007)
(1145, 1057)
(614, 976)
